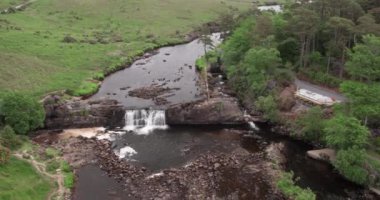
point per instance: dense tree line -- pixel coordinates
(335, 43)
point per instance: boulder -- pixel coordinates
(214, 111)
(287, 99)
(77, 113)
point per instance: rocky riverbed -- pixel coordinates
(237, 174)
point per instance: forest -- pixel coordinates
(335, 44)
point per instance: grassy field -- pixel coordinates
(20, 181)
(6, 3)
(98, 34)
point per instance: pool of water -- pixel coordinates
(172, 67)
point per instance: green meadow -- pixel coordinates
(63, 44)
(20, 181)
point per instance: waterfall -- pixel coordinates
(253, 126)
(144, 121)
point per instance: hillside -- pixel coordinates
(98, 33)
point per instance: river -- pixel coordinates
(147, 141)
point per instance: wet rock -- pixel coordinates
(151, 92)
(81, 113)
(214, 111)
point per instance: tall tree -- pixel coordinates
(343, 132)
(305, 30)
(364, 102)
(341, 30)
(364, 60)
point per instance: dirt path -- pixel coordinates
(41, 168)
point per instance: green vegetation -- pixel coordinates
(201, 63)
(20, 181)
(58, 44)
(6, 3)
(69, 180)
(311, 124)
(22, 112)
(287, 185)
(350, 163)
(337, 46)
(9, 139)
(344, 132)
(268, 106)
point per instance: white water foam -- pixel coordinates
(125, 152)
(144, 121)
(253, 126)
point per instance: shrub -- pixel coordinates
(52, 166)
(85, 89)
(268, 106)
(9, 139)
(4, 155)
(51, 153)
(65, 166)
(312, 124)
(69, 39)
(22, 112)
(201, 64)
(343, 132)
(288, 187)
(377, 142)
(322, 78)
(99, 76)
(68, 181)
(350, 164)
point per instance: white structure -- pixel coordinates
(315, 98)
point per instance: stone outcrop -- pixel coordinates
(78, 113)
(287, 99)
(222, 110)
(328, 155)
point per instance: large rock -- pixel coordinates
(78, 113)
(215, 111)
(287, 99)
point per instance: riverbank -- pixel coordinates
(38, 59)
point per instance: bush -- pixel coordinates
(268, 106)
(322, 78)
(312, 124)
(51, 153)
(99, 76)
(288, 187)
(201, 64)
(68, 181)
(4, 155)
(343, 132)
(22, 112)
(377, 142)
(52, 166)
(65, 167)
(350, 164)
(9, 139)
(85, 89)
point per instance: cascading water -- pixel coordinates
(144, 121)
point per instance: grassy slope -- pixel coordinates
(34, 59)
(20, 181)
(6, 3)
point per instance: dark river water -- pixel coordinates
(174, 67)
(176, 146)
